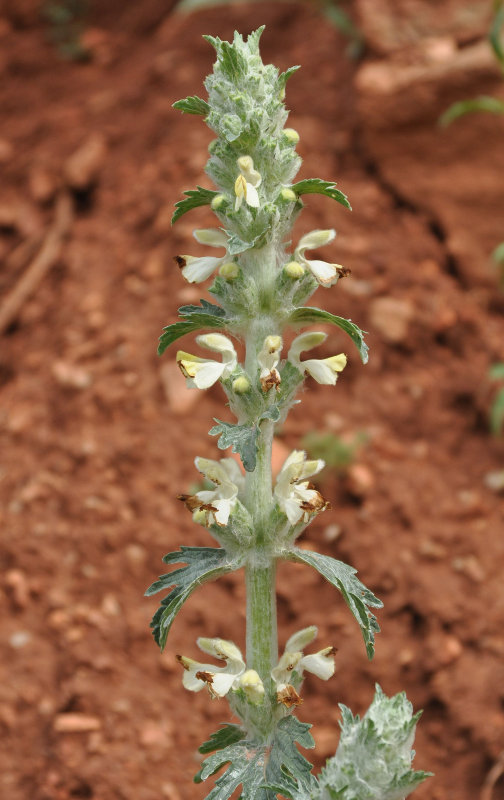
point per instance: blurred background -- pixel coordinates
(98, 435)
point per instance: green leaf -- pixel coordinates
(194, 198)
(242, 438)
(284, 76)
(318, 186)
(463, 107)
(258, 767)
(224, 737)
(498, 254)
(497, 414)
(374, 755)
(202, 564)
(356, 595)
(306, 315)
(496, 372)
(494, 34)
(192, 105)
(173, 332)
(207, 315)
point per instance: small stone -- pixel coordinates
(406, 657)
(110, 606)
(152, 734)
(359, 479)
(495, 480)
(20, 639)
(76, 723)
(136, 554)
(83, 167)
(42, 184)
(391, 317)
(6, 151)
(71, 376)
(332, 532)
(17, 583)
(469, 566)
(431, 549)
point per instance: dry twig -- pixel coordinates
(43, 261)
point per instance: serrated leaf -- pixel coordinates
(192, 105)
(227, 735)
(194, 198)
(202, 564)
(284, 76)
(262, 770)
(204, 308)
(235, 245)
(306, 315)
(356, 595)
(318, 186)
(374, 755)
(242, 438)
(487, 104)
(173, 332)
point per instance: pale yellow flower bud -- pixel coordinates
(288, 195)
(291, 135)
(218, 201)
(241, 385)
(229, 270)
(252, 685)
(199, 517)
(294, 270)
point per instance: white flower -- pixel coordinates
(293, 663)
(204, 372)
(324, 370)
(326, 274)
(268, 359)
(295, 496)
(253, 686)
(246, 183)
(218, 680)
(217, 504)
(198, 268)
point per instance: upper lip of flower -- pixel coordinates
(204, 372)
(198, 268)
(326, 273)
(219, 680)
(293, 662)
(324, 370)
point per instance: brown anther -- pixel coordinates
(270, 381)
(206, 677)
(316, 505)
(179, 261)
(343, 272)
(289, 697)
(192, 502)
(180, 659)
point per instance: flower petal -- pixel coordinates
(315, 239)
(214, 237)
(196, 270)
(325, 370)
(302, 638)
(320, 664)
(326, 274)
(306, 341)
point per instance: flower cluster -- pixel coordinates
(287, 676)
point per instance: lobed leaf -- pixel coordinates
(207, 315)
(202, 564)
(262, 770)
(192, 105)
(194, 198)
(227, 735)
(356, 595)
(307, 315)
(242, 438)
(284, 76)
(318, 186)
